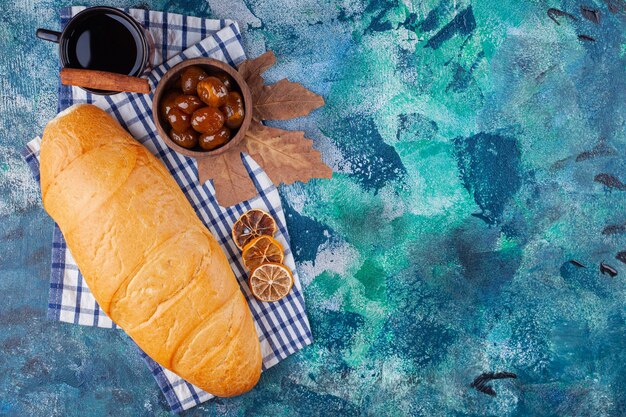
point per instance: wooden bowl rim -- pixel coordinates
(210, 62)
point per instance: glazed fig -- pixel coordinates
(190, 77)
(178, 120)
(188, 103)
(168, 102)
(187, 139)
(233, 110)
(226, 79)
(207, 120)
(212, 91)
(210, 141)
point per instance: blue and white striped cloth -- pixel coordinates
(283, 327)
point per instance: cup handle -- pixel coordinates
(48, 35)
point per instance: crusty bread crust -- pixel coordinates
(148, 260)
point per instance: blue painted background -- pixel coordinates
(478, 148)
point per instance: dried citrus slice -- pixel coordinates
(262, 250)
(253, 223)
(270, 282)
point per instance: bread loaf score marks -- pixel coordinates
(150, 263)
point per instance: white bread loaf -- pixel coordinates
(150, 263)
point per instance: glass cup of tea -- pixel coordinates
(103, 39)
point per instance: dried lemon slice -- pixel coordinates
(262, 250)
(270, 282)
(253, 223)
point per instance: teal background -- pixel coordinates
(478, 147)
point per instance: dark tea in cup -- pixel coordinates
(105, 42)
(103, 39)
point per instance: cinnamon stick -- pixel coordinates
(102, 80)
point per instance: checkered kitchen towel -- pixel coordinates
(283, 326)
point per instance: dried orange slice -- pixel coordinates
(270, 282)
(262, 250)
(253, 223)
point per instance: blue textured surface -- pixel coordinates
(479, 147)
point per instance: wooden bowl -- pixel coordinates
(209, 65)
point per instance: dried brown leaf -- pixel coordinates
(285, 156)
(252, 69)
(285, 100)
(230, 178)
(256, 66)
